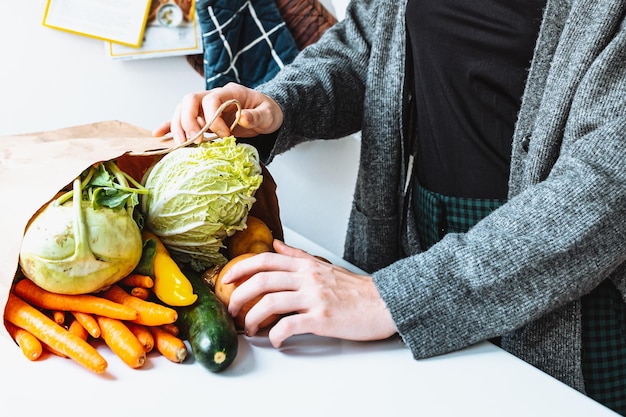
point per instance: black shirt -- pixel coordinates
(470, 63)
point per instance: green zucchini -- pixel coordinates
(209, 328)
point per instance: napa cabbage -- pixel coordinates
(200, 195)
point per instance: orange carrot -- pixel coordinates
(171, 328)
(86, 303)
(54, 351)
(76, 328)
(89, 322)
(148, 313)
(23, 315)
(137, 280)
(169, 345)
(59, 317)
(140, 292)
(29, 344)
(122, 341)
(143, 335)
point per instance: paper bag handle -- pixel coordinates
(200, 136)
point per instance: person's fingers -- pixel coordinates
(291, 325)
(176, 128)
(259, 114)
(223, 118)
(284, 249)
(222, 122)
(262, 283)
(187, 117)
(265, 117)
(161, 130)
(264, 261)
(272, 305)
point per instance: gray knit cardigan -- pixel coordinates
(521, 271)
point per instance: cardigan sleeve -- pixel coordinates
(321, 92)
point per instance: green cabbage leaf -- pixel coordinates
(200, 195)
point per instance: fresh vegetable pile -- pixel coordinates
(123, 260)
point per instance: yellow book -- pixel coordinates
(121, 21)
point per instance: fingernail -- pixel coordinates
(231, 311)
(226, 277)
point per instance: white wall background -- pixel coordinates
(50, 79)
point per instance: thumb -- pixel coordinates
(265, 118)
(250, 119)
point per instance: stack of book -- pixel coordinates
(131, 29)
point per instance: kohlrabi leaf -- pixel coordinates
(108, 187)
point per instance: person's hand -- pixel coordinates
(260, 114)
(327, 300)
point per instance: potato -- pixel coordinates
(255, 238)
(224, 291)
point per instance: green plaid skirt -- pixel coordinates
(603, 310)
(438, 214)
(604, 346)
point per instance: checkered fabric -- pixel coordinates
(245, 41)
(604, 346)
(438, 214)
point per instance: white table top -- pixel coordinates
(309, 375)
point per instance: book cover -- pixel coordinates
(120, 21)
(171, 29)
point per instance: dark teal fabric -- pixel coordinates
(244, 42)
(604, 346)
(438, 214)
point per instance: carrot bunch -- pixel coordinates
(124, 317)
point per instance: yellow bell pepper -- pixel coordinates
(170, 284)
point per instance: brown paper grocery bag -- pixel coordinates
(34, 167)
